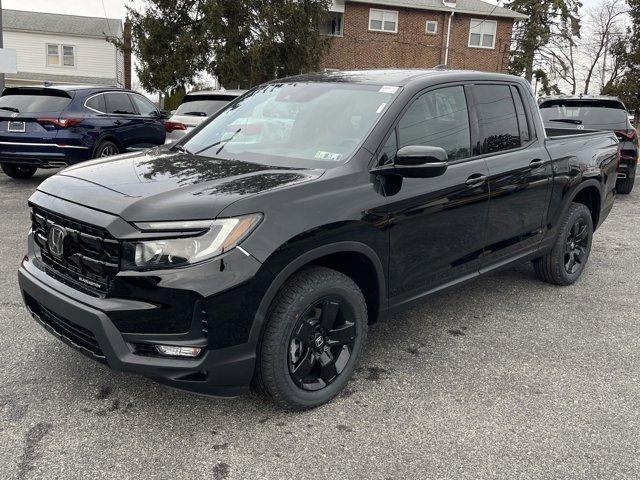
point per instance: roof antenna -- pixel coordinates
(442, 66)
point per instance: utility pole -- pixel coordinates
(1, 46)
(604, 60)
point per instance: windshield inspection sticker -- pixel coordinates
(333, 157)
(388, 89)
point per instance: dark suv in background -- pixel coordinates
(590, 113)
(50, 127)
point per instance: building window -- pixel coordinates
(432, 27)
(61, 55)
(482, 33)
(53, 55)
(332, 26)
(383, 20)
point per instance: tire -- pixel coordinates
(300, 365)
(18, 171)
(566, 261)
(625, 185)
(106, 148)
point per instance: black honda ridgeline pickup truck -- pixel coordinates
(258, 249)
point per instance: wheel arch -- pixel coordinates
(343, 257)
(107, 137)
(589, 194)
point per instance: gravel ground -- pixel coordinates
(504, 377)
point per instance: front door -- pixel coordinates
(437, 224)
(519, 172)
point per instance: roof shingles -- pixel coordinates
(62, 24)
(463, 6)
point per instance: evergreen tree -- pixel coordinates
(546, 18)
(242, 42)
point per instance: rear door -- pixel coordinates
(152, 130)
(124, 121)
(519, 171)
(24, 113)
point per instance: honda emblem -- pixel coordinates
(56, 241)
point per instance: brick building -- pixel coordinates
(464, 34)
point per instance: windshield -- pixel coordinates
(592, 114)
(294, 124)
(201, 107)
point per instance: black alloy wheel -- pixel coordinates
(314, 336)
(321, 344)
(576, 246)
(565, 262)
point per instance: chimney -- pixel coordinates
(127, 53)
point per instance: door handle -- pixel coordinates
(537, 163)
(118, 122)
(475, 180)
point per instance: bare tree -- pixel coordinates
(604, 28)
(559, 59)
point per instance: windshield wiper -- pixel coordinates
(182, 149)
(223, 142)
(10, 109)
(567, 120)
(196, 114)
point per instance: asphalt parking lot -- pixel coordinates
(504, 377)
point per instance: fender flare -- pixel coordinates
(306, 258)
(591, 182)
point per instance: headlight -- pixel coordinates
(210, 238)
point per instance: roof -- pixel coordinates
(579, 97)
(222, 93)
(463, 6)
(63, 24)
(389, 77)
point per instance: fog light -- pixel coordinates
(174, 351)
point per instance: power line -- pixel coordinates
(104, 9)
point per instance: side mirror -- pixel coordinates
(416, 161)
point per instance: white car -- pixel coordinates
(195, 108)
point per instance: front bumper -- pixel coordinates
(223, 372)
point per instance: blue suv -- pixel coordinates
(50, 127)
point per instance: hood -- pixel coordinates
(161, 184)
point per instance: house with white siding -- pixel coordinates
(63, 49)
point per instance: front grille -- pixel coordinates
(90, 255)
(79, 337)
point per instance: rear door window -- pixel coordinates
(145, 107)
(589, 114)
(97, 103)
(497, 118)
(119, 103)
(438, 118)
(28, 103)
(523, 122)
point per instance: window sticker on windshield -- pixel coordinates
(388, 89)
(381, 107)
(333, 157)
